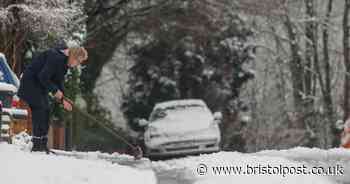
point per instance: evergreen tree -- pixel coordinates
(195, 52)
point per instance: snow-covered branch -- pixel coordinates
(41, 20)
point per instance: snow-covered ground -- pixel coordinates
(21, 167)
(96, 167)
(199, 169)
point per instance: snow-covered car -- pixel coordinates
(181, 127)
(9, 101)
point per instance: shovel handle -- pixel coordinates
(137, 151)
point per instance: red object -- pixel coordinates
(345, 140)
(347, 145)
(15, 102)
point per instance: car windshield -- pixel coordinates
(161, 113)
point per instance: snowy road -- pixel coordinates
(180, 170)
(184, 170)
(172, 177)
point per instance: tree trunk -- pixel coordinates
(13, 40)
(346, 48)
(297, 72)
(327, 92)
(309, 50)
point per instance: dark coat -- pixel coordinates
(44, 75)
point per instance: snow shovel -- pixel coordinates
(136, 150)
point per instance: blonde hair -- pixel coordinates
(78, 53)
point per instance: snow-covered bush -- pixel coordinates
(42, 20)
(23, 140)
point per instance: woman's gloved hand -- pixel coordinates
(59, 95)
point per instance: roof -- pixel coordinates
(185, 102)
(7, 87)
(6, 74)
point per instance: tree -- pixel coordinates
(120, 18)
(192, 50)
(29, 26)
(299, 82)
(346, 47)
(327, 84)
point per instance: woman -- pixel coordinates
(45, 75)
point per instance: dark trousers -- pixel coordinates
(40, 121)
(40, 117)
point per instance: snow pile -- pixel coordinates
(121, 159)
(316, 157)
(228, 159)
(18, 167)
(23, 141)
(309, 154)
(199, 169)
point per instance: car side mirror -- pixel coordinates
(143, 122)
(218, 117)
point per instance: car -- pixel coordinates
(181, 127)
(9, 101)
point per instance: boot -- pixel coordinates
(44, 145)
(36, 144)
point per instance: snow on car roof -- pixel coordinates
(7, 87)
(186, 102)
